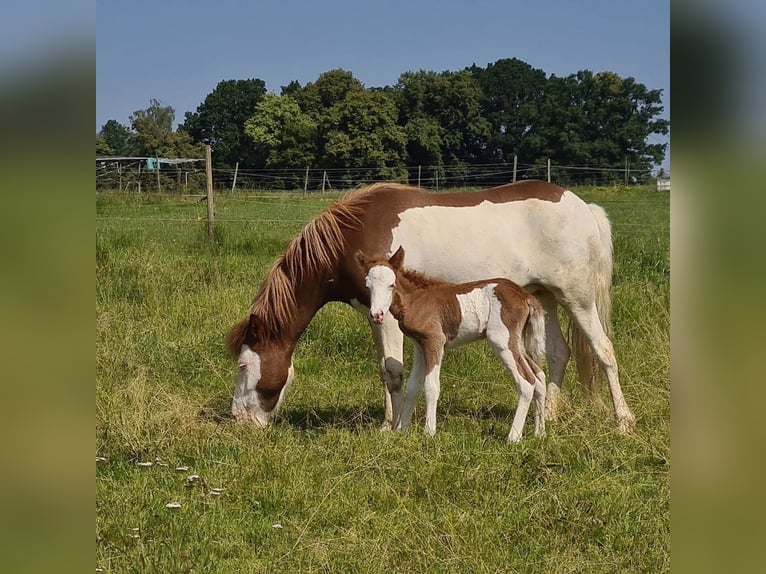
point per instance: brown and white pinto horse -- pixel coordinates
(436, 315)
(537, 234)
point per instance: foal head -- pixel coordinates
(380, 279)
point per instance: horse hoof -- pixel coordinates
(386, 426)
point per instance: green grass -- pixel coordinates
(348, 497)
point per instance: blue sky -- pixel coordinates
(177, 51)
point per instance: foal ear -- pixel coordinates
(397, 258)
(362, 259)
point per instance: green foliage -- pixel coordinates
(282, 132)
(154, 135)
(512, 93)
(355, 128)
(349, 498)
(117, 139)
(597, 119)
(442, 117)
(102, 147)
(220, 122)
(443, 120)
(363, 133)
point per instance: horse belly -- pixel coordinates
(530, 241)
(474, 310)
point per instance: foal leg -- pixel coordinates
(589, 323)
(525, 389)
(540, 393)
(414, 385)
(433, 387)
(556, 351)
(389, 343)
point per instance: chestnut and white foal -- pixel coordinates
(436, 315)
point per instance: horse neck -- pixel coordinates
(308, 295)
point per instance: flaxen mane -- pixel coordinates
(313, 252)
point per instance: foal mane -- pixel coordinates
(312, 253)
(417, 278)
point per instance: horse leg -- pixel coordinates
(557, 353)
(588, 321)
(414, 384)
(389, 343)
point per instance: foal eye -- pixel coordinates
(244, 366)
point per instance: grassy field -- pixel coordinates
(324, 490)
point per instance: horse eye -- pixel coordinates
(243, 366)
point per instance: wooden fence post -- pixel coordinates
(515, 159)
(306, 182)
(549, 170)
(209, 174)
(234, 183)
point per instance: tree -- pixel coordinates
(355, 128)
(512, 92)
(152, 126)
(102, 148)
(220, 122)
(442, 118)
(117, 138)
(282, 132)
(361, 132)
(290, 89)
(601, 119)
(154, 135)
(331, 88)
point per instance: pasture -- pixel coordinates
(324, 490)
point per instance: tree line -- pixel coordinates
(449, 120)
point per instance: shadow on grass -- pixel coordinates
(354, 419)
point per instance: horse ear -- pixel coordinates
(397, 258)
(362, 259)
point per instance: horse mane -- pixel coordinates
(418, 279)
(312, 253)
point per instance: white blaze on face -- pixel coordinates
(380, 281)
(246, 405)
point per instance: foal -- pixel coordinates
(437, 314)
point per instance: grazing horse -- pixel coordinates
(537, 234)
(436, 315)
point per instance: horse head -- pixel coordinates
(265, 372)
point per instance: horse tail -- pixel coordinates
(591, 377)
(534, 330)
(235, 338)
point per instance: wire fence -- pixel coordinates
(135, 175)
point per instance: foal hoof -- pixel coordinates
(386, 426)
(627, 423)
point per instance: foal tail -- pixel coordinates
(590, 376)
(534, 330)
